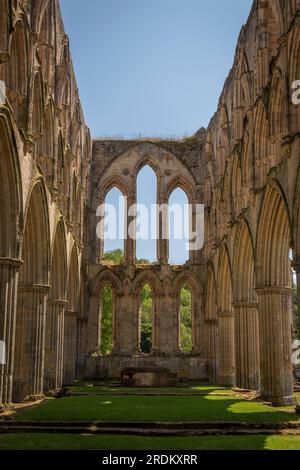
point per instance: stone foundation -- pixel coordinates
(187, 367)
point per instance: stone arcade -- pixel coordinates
(244, 168)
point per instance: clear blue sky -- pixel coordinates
(151, 67)
(154, 67)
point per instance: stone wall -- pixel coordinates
(45, 150)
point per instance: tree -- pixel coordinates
(146, 319)
(186, 342)
(113, 257)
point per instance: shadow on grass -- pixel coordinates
(113, 408)
(109, 442)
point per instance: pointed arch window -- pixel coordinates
(179, 227)
(146, 214)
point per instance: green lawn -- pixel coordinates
(108, 442)
(109, 408)
(92, 389)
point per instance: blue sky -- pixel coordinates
(151, 67)
(155, 68)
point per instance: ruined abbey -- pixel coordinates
(245, 169)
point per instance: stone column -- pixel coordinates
(8, 300)
(130, 243)
(197, 323)
(163, 233)
(54, 345)
(126, 338)
(82, 337)
(70, 347)
(275, 304)
(30, 342)
(212, 346)
(226, 349)
(247, 345)
(167, 325)
(296, 267)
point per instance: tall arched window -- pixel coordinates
(179, 227)
(146, 318)
(114, 227)
(146, 223)
(186, 322)
(106, 320)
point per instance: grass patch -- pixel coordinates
(93, 389)
(108, 408)
(107, 442)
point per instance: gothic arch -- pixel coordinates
(188, 187)
(71, 319)
(211, 321)
(274, 294)
(45, 146)
(276, 111)
(11, 223)
(10, 190)
(4, 28)
(274, 240)
(15, 71)
(246, 311)
(261, 150)
(296, 220)
(32, 294)
(37, 101)
(226, 320)
(56, 310)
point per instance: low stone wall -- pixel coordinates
(187, 367)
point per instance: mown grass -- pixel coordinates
(113, 408)
(108, 442)
(94, 389)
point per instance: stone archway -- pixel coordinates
(32, 297)
(246, 311)
(11, 223)
(274, 298)
(212, 327)
(227, 364)
(71, 321)
(56, 312)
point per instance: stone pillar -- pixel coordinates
(8, 300)
(130, 243)
(275, 307)
(197, 323)
(247, 345)
(54, 345)
(167, 325)
(163, 233)
(30, 342)
(82, 338)
(126, 335)
(296, 267)
(212, 347)
(226, 374)
(70, 347)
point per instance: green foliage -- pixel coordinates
(114, 257)
(106, 321)
(35, 441)
(112, 408)
(186, 342)
(146, 319)
(296, 314)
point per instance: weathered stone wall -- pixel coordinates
(252, 197)
(45, 151)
